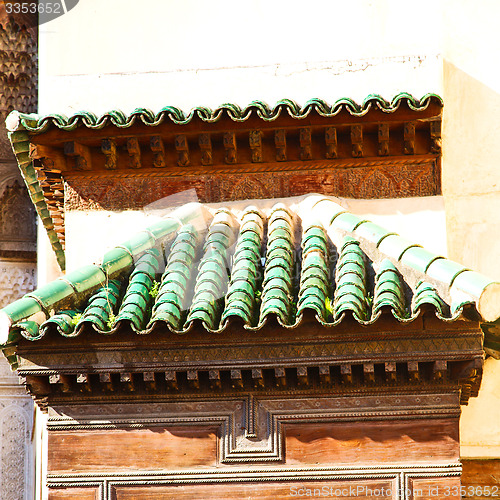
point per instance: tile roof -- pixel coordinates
(23, 126)
(295, 261)
(37, 124)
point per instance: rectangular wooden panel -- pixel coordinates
(445, 488)
(429, 441)
(72, 493)
(481, 479)
(347, 490)
(118, 449)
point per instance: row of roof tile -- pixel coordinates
(249, 267)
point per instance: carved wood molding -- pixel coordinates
(251, 427)
(399, 477)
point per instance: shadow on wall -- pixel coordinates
(471, 170)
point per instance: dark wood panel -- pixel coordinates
(72, 493)
(156, 448)
(446, 488)
(371, 443)
(481, 479)
(359, 490)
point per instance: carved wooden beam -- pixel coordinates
(108, 148)
(83, 383)
(324, 375)
(156, 144)
(127, 381)
(305, 144)
(255, 139)
(63, 381)
(439, 370)
(106, 382)
(409, 138)
(149, 381)
(280, 143)
(346, 373)
(193, 380)
(51, 158)
(229, 140)
(134, 153)
(214, 378)
(383, 139)
(390, 372)
(357, 140)
(331, 143)
(413, 374)
(435, 133)
(280, 376)
(38, 384)
(236, 379)
(171, 380)
(369, 373)
(205, 144)
(302, 376)
(258, 378)
(182, 147)
(80, 153)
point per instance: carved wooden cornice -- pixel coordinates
(384, 359)
(376, 151)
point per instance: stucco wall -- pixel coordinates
(191, 53)
(471, 179)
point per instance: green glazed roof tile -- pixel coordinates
(137, 299)
(212, 280)
(427, 294)
(388, 290)
(295, 277)
(172, 293)
(350, 275)
(445, 270)
(101, 308)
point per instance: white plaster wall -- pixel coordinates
(471, 179)
(124, 54)
(90, 234)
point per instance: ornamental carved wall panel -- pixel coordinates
(120, 192)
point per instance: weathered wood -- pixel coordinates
(158, 149)
(383, 139)
(134, 152)
(236, 379)
(357, 141)
(331, 142)
(229, 141)
(182, 147)
(205, 144)
(255, 141)
(81, 154)
(192, 378)
(275, 490)
(280, 143)
(146, 449)
(88, 493)
(409, 442)
(480, 478)
(409, 138)
(305, 144)
(108, 148)
(444, 488)
(52, 158)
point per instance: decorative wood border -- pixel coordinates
(399, 474)
(251, 426)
